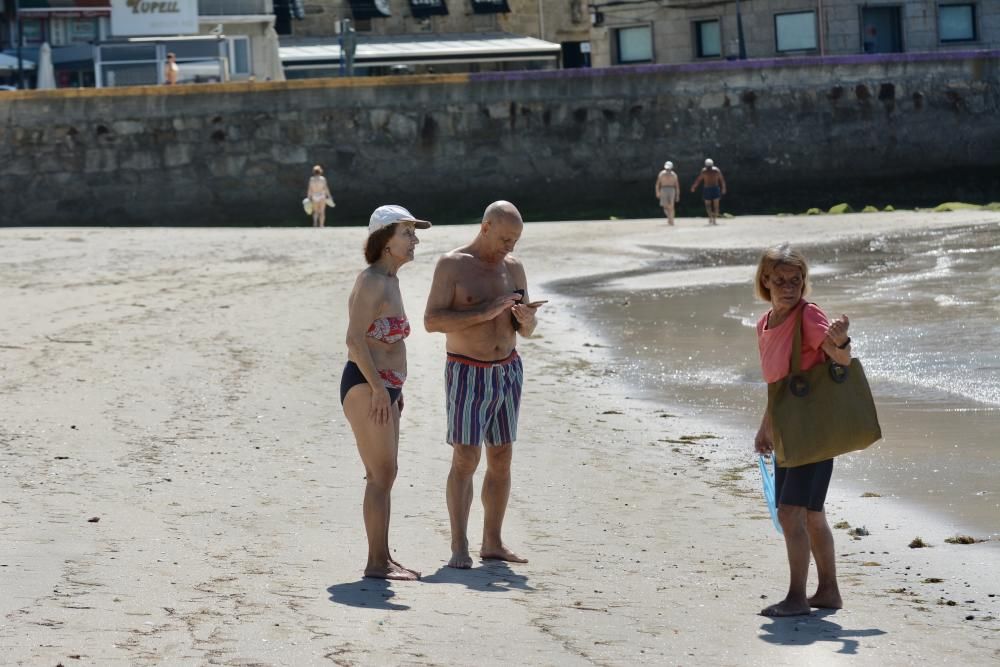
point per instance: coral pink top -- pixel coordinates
(776, 344)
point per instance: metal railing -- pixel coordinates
(234, 7)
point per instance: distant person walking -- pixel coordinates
(318, 193)
(171, 71)
(800, 492)
(668, 190)
(713, 187)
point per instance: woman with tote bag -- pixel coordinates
(794, 325)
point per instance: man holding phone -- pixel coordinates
(479, 300)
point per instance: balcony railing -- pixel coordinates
(234, 7)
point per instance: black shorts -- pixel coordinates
(353, 376)
(803, 486)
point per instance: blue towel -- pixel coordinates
(767, 479)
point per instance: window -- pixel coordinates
(635, 45)
(239, 58)
(795, 31)
(957, 23)
(708, 39)
(82, 31)
(33, 30)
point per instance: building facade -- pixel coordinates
(221, 40)
(680, 31)
(421, 36)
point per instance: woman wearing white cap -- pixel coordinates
(371, 389)
(668, 190)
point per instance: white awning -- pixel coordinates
(10, 62)
(419, 50)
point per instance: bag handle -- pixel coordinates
(795, 363)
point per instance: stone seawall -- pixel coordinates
(788, 133)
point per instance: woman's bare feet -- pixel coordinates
(391, 571)
(826, 600)
(500, 553)
(460, 560)
(787, 608)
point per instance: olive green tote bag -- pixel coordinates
(820, 413)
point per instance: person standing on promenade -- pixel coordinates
(171, 71)
(668, 190)
(371, 388)
(714, 186)
(479, 300)
(318, 193)
(800, 492)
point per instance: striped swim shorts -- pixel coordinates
(484, 398)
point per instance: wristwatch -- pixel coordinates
(844, 345)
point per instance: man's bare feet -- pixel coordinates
(501, 553)
(824, 600)
(460, 560)
(786, 608)
(403, 567)
(391, 571)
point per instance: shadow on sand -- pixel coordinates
(805, 630)
(490, 576)
(368, 593)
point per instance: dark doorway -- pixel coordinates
(881, 30)
(575, 54)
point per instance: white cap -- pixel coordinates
(708, 162)
(390, 214)
(668, 165)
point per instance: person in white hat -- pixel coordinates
(371, 388)
(714, 187)
(668, 190)
(479, 300)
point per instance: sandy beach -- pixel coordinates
(180, 487)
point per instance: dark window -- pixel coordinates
(881, 31)
(708, 39)
(957, 23)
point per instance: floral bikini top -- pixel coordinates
(389, 329)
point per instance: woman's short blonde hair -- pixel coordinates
(318, 170)
(775, 256)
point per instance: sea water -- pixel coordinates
(925, 322)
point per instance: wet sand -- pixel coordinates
(180, 386)
(921, 303)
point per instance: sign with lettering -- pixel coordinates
(490, 6)
(133, 18)
(424, 8)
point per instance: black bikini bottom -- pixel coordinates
(353, 376)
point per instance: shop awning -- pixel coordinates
(370, 9)
(490, 6)
(10, 63)
(424, 8)
(418, 50)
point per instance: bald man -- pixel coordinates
(479, 300)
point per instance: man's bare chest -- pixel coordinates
(479, 285)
